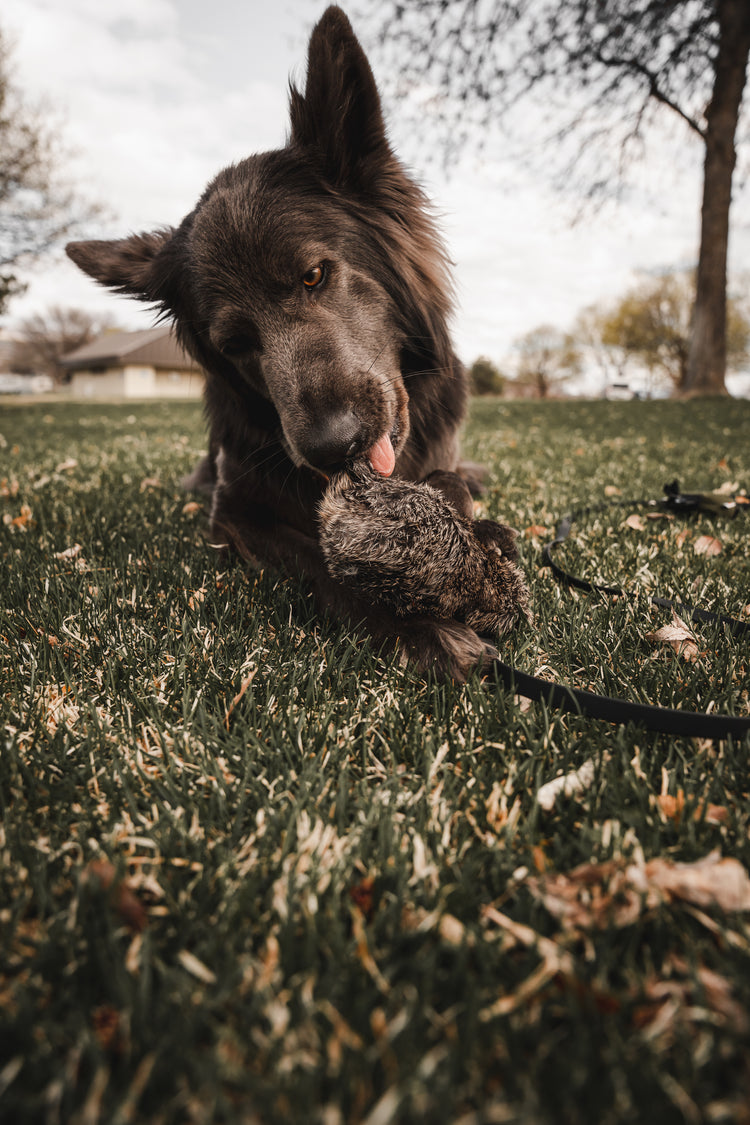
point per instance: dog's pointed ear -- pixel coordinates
(339, 119)
(127, 265)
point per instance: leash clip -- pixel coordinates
(714, 503)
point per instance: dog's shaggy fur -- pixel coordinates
(312, 287)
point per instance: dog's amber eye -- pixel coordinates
(314, 277)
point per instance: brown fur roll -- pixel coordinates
(415, 549)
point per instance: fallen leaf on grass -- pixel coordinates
(707, 545)
(58, 706)
(679, 636)
(191, 508)
(69, 552)
(567, 785)
(452, 930)
(593, 896)
(64, 466)
(110, 1028)
(149, 482)
(361, 896)
(636, 523)
(596, 896)
(673, 807)
(193, 965)
(8, 488)
(101, 875)
(535, 531)
(711, 881)
(21, 521)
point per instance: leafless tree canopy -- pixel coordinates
(602, 70)
(37, 208)
(45, 337)
(599, 67)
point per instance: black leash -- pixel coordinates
(664, 720)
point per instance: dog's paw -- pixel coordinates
(450, 649)
(474, 475)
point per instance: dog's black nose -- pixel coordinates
(331, 440)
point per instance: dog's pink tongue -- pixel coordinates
(381, 456)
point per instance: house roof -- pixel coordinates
(152, 347)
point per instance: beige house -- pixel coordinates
(146, 364)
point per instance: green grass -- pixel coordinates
(250, 872)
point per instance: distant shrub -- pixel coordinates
(485, 379)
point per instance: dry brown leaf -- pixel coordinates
(452, 930)
(361, 895)
(711, 881)
(596, 896)
(635, 522)
(611, 490)
(568, 784)
(101, 874)
(193, 965)
(682, 536)
(21, 521)
(592, 896)
(707, 545)
(69, 552)
(191, 508)
(678, 635)
(535, 531)
(673, 808)
(110, 1028)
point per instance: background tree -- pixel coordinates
(652, 323)
(617, 63)
(547, 358)
(485, 378)
(45, 337)
(37, 208)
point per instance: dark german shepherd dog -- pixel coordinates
(311, 285)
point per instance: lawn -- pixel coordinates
(251, 872)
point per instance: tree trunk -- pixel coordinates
(707, 360)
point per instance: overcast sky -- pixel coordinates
(155, 96)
